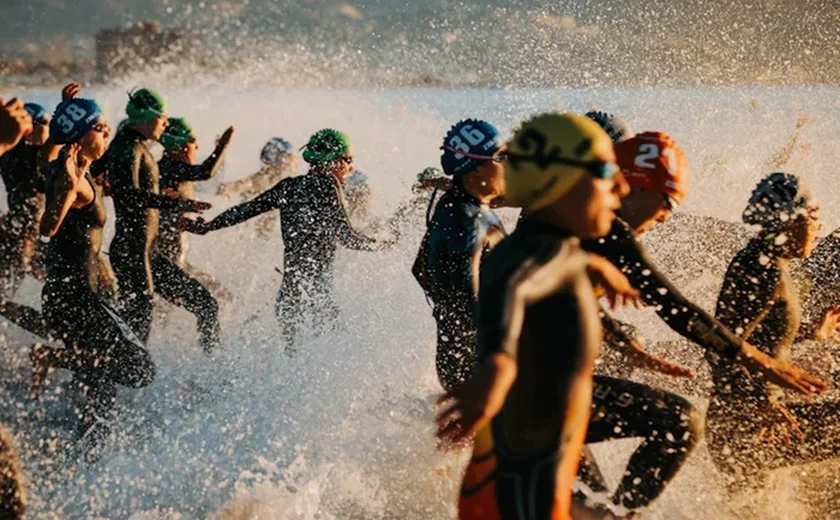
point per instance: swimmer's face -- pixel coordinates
(803, 231)
(40, 132)
(157, 126)
(588, 209)
(341, 168)
(643, 209)
(191, 151)
(94, 143)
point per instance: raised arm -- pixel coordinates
(67, 188)
(211, 165)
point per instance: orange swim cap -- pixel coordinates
(653, 161)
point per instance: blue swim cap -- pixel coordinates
(73, 118)
(472, 136)
(37, 112)
(276, 151)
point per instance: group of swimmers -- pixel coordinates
(519, 323)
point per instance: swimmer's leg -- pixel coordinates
(177, 287)
(670, 426)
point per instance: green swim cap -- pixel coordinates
(431, 174)
(326, 145)
(177, 134)
(144, 105)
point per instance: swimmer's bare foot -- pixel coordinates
(39, 355)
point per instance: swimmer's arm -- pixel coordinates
(678, 312)
(533, 281)
(65, 191)
(625, 339)
(208, 169)
(265, 202)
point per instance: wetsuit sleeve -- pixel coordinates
(534, 280)
(682, 315)
(267, 201)
(205, 170)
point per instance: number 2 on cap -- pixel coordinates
(649, 152)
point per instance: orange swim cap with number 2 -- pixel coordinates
(653, 161)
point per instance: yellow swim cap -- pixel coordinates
(550, 153)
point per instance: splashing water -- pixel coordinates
(343, 429)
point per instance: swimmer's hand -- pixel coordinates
(830, 326)
(470, 407)
(224, 140)
(15, 123)
(640, 358)
(779, 425)
(194, 206)
(780, 373)
(197, 226)
(70, 91)
(618, 290)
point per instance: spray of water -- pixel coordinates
(343, 428)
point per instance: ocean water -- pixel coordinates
(343, 429)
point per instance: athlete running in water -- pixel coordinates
(314, 222)
(175, 279)
(655, 169)
(538, 326)
(24, 184)
(462, 229)
(134, 181)
(279, 161)
(751, 428)
(100, 348)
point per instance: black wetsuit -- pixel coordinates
(173, 278)
(460, 232)
(134, 181)
(313, 222)
(760, 301)
(670, 424)
(101, 348)
(20, 249)
(538, 306)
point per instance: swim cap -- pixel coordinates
(472, 136)
(73, 118)
(177, 134)
(326, 145)
(653, 161)
(775, 201)
(550, 153)
(37, 112)
(277, 150)
(616, 127)
(430, 174)
(144, 105)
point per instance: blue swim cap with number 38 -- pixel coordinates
(467, 144)
(73, 118)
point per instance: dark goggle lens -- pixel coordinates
(602, 170)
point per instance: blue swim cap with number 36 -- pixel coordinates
(467, 144)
